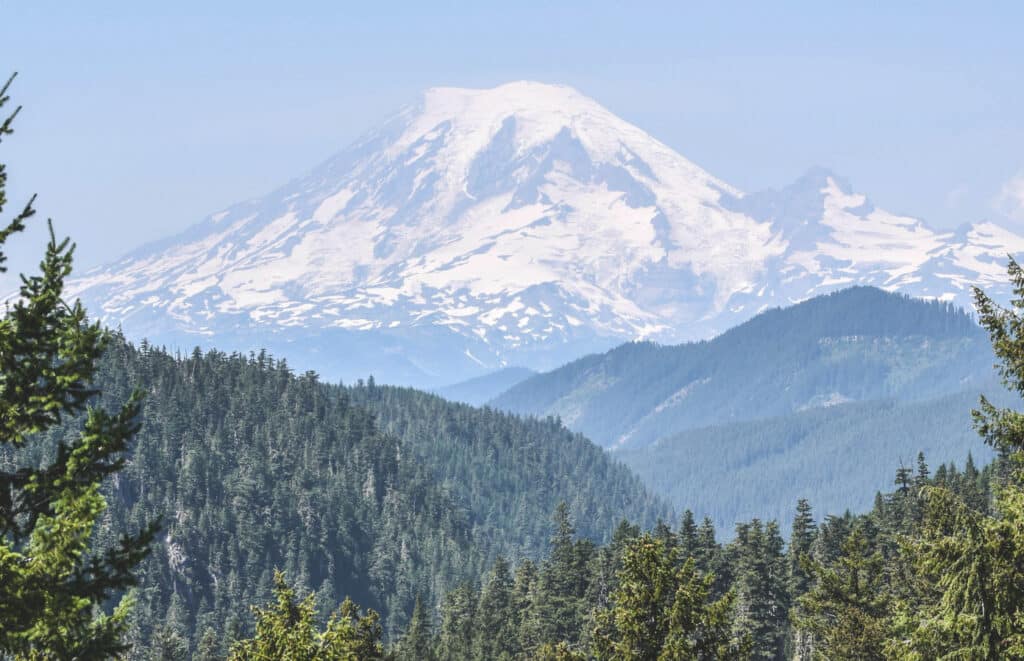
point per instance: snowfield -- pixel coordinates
(520, 225)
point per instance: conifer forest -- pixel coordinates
(626, 461)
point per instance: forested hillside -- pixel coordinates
(253, 468)
(509, 472)
(841, 454)
(844, 587)
(859, 344)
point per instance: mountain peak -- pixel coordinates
(521, 93)
(819, 178)
(522, 224)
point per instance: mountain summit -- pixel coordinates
(519, 225)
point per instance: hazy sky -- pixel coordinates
(141, 119)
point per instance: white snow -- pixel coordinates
(615, 235)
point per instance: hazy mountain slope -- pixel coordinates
(520, 225)
(505, 470)
(838, 457)
(855, 345)
(481, 389)
(253, 468)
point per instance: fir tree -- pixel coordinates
(801, 540)
(53, 582)
(287, 630)
(970, 561)
(458, 614)
(846, 611)
(496, 630)
(662, 610)
(762, 595)
(417, 643)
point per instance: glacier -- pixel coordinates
(522, 225)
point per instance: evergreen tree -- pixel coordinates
(661, 610)
(557, 611)
(417, 644)
(209, 648)
(973, 606)
(496, 630)
(560, 652)
(762, 595)
(167, 644)
(458, 614)
(287, 630)
(846, 612)
(53, 581)
(688, 536)
(801, 540)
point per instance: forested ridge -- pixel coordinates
(377, 493)
(764, 598)
(858, 344)
(841, 454)
(509, 471)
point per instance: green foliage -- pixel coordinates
(287, 630)
(860, 344)
(840, 455)
(970, 559)
(760, 581)
(458, 632)
(55, 578)
(376, 493)
(511, 472)
(661, 610)
(496, 617)
(417, 643)
(846, 612)
(1003, 428)
(559, 652)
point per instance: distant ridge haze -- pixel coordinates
(519, 225)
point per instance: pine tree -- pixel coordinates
(287, 630)
(762, 595)
(53, 582)
(687, 536)
(455, 641)
(417, 644)
(801, 540)
(496, 626)
(209, 648)
(557, 611)
(970, 560)
(1003, 428)
(560, 652)
(661, 610)
(846, 611)
(167, 644)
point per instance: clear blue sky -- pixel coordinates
(140, 118)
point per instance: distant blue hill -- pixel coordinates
(482, 389)
(857, 345)
(836, 457)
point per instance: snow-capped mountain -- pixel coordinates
(520, 225)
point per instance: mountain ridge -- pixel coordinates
(519, 225)
(857, 344)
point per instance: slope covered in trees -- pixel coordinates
(833, 592)
(254, 469)
(510, 472)
(933, 571)
(840, 454)
(860, 344)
